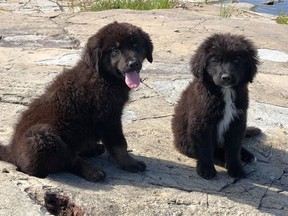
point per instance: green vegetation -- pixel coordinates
(226, 9)
(282, 19)
(98, 5)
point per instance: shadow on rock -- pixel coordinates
(263, 188)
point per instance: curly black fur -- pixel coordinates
(210, 118)
(82, 107)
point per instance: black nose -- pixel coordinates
(225, 77)
(134, 64)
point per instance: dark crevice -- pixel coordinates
(228, 185)
(171, 186)
(74, 40)
(154, 117)
(59, 204)
(143, 82)
(59, 5)
(267, 189)
(179, 203)
(56, 202)
(14, 102)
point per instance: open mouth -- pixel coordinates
(132, 79)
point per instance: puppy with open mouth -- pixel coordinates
(82, 107)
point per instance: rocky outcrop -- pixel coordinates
(38, 39)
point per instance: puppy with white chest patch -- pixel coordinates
(210, 119)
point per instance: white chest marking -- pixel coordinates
(229, 113)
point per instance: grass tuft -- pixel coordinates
(226, 9)
(282, 19)
(99, 5)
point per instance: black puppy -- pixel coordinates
(210, 118)
(82, 107)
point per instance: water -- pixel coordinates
(279, 6)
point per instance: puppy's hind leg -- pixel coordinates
(183, 144)
(186, 143)
(40, 151)
(45, 152)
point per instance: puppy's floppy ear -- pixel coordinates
(92, 53)
(252, 63)
(198, 64)
(93, 58)
(148, 45)
(250, 56)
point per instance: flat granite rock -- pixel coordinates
(38, 39)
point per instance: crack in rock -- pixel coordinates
(171, 90)
(154, 117)
(28, 40)
(14, 99)
(179, 202)
(228, 185)
(171, 186)
(260, 205)
(14, 102)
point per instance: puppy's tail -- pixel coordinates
(5, 153)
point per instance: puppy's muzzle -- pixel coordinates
(227, 80)
(134, 64)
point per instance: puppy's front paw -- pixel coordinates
(134, 166)
(236, 172)
(206, 171)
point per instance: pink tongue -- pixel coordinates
(132, 79)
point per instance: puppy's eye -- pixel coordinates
(217, 60)
(237, 59)
(135, 45)
(115, 52)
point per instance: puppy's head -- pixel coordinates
(225, 59)
(118, 50)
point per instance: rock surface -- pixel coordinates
(39, 38)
